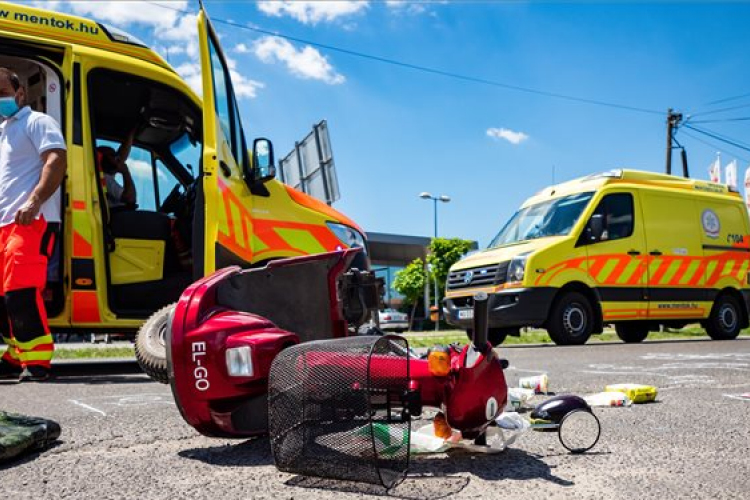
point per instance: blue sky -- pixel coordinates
(396, 132)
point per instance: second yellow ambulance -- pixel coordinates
(628, 248)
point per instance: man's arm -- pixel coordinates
(123, 152)
(55, 163)
(128, 187)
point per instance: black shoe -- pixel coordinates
(8, 370)
(34, 374)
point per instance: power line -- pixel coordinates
(741, 119)
(719, 138)
(703, 113)
(424, 69)
(727, 99)
(725, 137)
(714, 146)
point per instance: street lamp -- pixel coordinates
(435, 199)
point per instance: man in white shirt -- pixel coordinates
(32, 167)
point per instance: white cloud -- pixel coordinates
(507, 134)
(241, 48)
(312, 12)
(243, 86)
(174, 34)
(124, 13)
(409, 7)
(307, 63)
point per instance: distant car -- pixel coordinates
(391, 319)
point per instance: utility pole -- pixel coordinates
(673, 122)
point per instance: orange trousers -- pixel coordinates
(24, 251)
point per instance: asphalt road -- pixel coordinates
(124, 438)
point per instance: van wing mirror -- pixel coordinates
(264, 167)
(596, 227)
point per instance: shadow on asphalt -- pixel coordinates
(436, 477)
(28, 457)
(253, 452)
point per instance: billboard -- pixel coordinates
(309, 166)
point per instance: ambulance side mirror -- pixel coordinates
(596, 228)
(264, 167)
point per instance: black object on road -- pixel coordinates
(21, 434)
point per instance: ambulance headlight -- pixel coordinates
(347, 235)
(240, 361)
(517, 268)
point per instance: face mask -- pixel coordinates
(8, 106)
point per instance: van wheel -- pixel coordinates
(632, 332)
(725, 321)
(151, 345)
(571, 321)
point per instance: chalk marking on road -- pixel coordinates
(596, 372)
(741, 397)
(696, 357)
(88, 407)
(126, 400)
(513, 368)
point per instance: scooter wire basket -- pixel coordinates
(340, 409)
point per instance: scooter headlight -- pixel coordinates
(347, 235)
(240, 361)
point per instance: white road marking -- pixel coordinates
(88, 407)
(741, 397)
(127, 400)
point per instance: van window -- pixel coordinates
(617, 212)
(550, 218)
(226, 107)
(139, 165)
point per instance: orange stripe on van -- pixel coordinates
(85, 307)
(79, 205)
(81, 247)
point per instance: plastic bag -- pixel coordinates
(517, 397)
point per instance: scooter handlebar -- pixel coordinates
(481, 300)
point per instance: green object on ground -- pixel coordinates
(21, 434)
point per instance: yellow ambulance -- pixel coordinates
(205, 200)
(633, 249)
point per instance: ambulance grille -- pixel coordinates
(496, 274)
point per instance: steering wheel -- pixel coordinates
(172, 201)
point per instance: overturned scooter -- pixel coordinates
(275, 350)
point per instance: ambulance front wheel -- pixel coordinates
(571, 320)
(151, 344)
(725, 321)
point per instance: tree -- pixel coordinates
(410, 282)
(444, 252)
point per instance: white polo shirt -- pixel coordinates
(23, 139)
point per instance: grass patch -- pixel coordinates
(94, 353)
(429, 339)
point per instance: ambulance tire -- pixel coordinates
(571, 321)
(725, 321)
(151, 347)
(632, 332)
(495, 336)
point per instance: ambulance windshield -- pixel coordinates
(550, 218)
